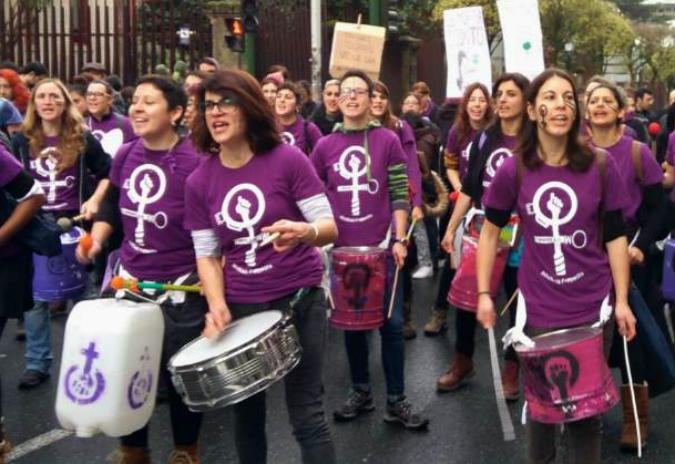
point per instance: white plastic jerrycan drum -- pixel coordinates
(109, 367)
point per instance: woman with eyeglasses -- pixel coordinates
(296, 130)
(327, 114)
(237, 128)
(162, 252)
(366, 218)
(110, 128)
(58, 151)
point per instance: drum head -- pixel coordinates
(237, 334)
(72, 236)
(559, 338)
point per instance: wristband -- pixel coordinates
(403, 241)
(315, 228)
(484, 292)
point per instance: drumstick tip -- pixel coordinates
(117, 283)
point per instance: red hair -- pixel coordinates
(462, 119)
(20, 92)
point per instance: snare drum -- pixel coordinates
(358, 286)
(566, 377)
(60, 277)
(253, 353)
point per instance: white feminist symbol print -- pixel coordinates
(351, 170)
(555, 205)
(243, 208)
(288, 138)
(145, 197)
(47, 167)
(494, 162)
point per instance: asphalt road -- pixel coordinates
(464, 425)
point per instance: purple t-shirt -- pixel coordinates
(112, 131)
(10, 167)
(622, 152)
(297, 134)
(460, 148)
(407, 138)
(152, 203)
(356, 184)
(564, 273)
(237, 203)
(501, 151)
(670, 157)
(61, 188)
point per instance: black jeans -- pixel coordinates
(182, 323)
(304, 388)
(3, 321)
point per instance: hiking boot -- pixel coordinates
(460, 370)
(184, 454)
(409, 331)
(437, 323)
(32, 378)
(403, 413)
(511, 380)
(358, 402)
(130, 455)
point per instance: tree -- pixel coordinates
(650, 57)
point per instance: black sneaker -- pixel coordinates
(403, 413)
(31, 379)
(358, 402)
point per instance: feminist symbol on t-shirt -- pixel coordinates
(47, 167)
(466, 151)
(84, 385)
(146, 173)
(555, 205)
(288, 138)
(355, 169)
(243, 208)
(495, 160)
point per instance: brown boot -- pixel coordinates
(628, 432)
(184, 454)
(408, 327)
(511, 380)
(437, 323)
(460, 370)
(130, 455)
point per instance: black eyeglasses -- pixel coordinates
(225, 105)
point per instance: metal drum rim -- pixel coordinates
(360, 249)
(593, 331)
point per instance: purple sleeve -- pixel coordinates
(304, 181)
(128, 130)
(452, 145)
(414, 174)
(9, 167)
(317, 160)
(651, 171)
(670, 153)
(630, 132)
(501, 194)
(196, 208)
(115, 174)
(314, 134)
(614, 191)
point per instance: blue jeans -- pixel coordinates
(38, 342)
(393, 350)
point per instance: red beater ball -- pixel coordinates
(86, 242)
(654, 128)
(119, 283)
(454, 195)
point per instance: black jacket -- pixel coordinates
(320, 118)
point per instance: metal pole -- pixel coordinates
(249, 53)
(315, 60)
(375, 13)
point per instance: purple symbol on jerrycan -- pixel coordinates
(82, 385)
(140, 385)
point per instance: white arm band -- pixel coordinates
(315, 208)
(206, 243)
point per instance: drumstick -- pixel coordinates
(504, 416)
(119, 283)
(508, 303)
(632, 396)
(398, 269)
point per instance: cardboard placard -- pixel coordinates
(521, 29)
(357, 46)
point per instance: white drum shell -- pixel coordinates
(126, 338)
(240, 373)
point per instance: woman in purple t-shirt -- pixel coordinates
(110, 128)
(489, 149)
(296, 130)
(251, 186)
(559, 187)
(473, 114)
(147, 183)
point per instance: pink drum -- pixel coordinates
(358, 284)
(566, 377)
(463, 292)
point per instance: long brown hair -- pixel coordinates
(262, 133)
(462, 121)
(71, 135)
(387, 119)
(579, 155)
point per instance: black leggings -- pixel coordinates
(465, 323)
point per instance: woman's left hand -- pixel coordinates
(635, 256)
(400, 252)
(417, 213)
(291, 233)
(625, 320)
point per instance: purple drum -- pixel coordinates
(60, 277)
(358, 286)
(668, 281)
(463, 292)
(566, 377)
(113, 258)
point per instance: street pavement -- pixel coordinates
(464, 425)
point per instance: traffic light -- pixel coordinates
(393, 18)
(249, 11)
(236, 40)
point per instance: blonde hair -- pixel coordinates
(71, 134)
